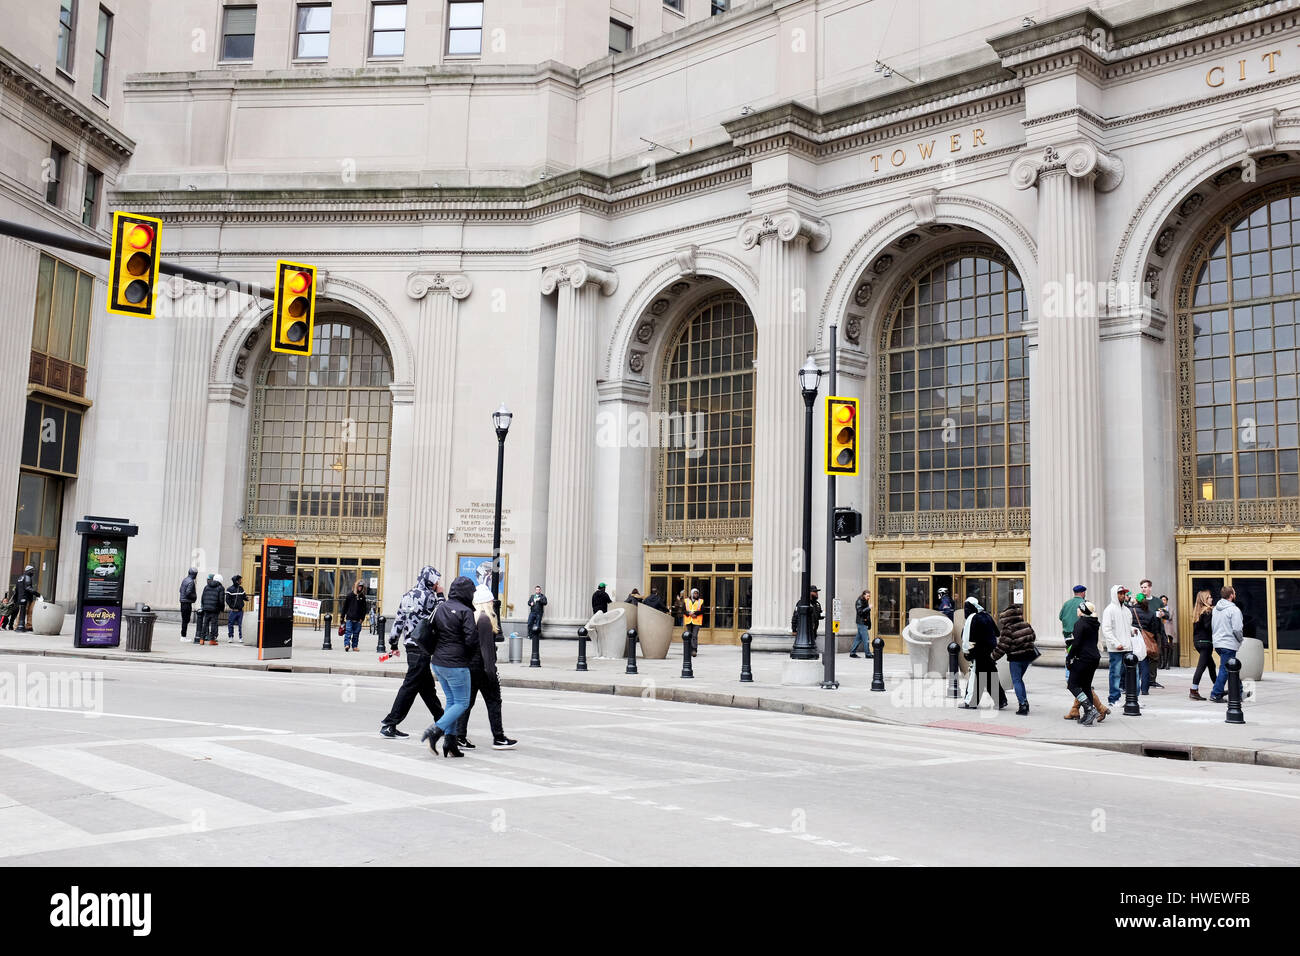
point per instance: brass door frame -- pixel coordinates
(700, 553)
(1230, 546)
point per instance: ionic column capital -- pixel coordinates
(786, 226)
(1077, 159)
(577, 274)
(420, 284)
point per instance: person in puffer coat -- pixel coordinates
(1016, 642)
(211, 601)
(454, 643)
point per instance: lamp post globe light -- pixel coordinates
(805, 647)
(501, 419)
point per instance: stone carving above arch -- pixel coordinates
(637, 313)
(853, 288)
(232, 359)
(1219, 163)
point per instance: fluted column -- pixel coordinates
(180, 543)
(784, 241)
(570, 514)
(19, 265)
(1067, 524)
(429, 463)
(400, 564)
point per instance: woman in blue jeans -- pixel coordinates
(454, 635)
(863, 608)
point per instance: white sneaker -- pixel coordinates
(240, 641)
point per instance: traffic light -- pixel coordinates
(133, 264)
(841, 436)
(295, 308)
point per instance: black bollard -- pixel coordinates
(327, 644)
(746, 674)
(631, 651)
(1131, 707)
(954, 682)
(1235, 714)
(536, 659)
(582, 648)
(379, 646)
(687, 669)
(878, 664)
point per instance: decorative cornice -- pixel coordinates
(627, 390)
(420, 284)
(786, 226)
(51, 101)
(403, 392)
(577, 274)
(1078, 159)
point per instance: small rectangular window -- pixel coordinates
(90, 197)
(720, 6)
(388, 29)
(464, 28)
(54, 173)
(67, 34)
(673, 5)
(620, 37)
(313, 31)
(103, 37)
(237, 31)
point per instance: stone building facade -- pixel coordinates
(1055, 241)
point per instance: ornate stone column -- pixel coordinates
(1067, 544)
(784, 240)
(192, 345)
(400, 562)
(425, 427)
(570, 514)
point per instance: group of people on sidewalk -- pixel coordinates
(215, 597)
(452, 639)
(18, 600)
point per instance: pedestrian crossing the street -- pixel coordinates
(67, 796)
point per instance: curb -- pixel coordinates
(1176, 750)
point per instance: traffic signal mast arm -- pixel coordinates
(94, 249)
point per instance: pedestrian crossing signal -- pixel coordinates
(295, 308)
(841, 436)
(133, 264)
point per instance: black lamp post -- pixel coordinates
(501, 419)
(805, 646)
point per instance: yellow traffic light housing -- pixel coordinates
(133, 264)
(295, 308)
(841, 436)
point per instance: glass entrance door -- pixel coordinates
(1286, 625)
(728, 601)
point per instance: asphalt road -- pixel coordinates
(197, 766)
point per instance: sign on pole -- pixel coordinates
(275, 623)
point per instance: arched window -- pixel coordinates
(706, 430)
(319, 462)
(954, 421)
(1239, 445)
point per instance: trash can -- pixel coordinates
(139, 630)
(516, 648)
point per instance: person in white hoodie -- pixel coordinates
(1121, 637)
(1228, 630)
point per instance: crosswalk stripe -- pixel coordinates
(27, 830)
(334, 786)
(423, 765)
(163, 795)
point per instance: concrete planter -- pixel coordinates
(47, 618)
(1251, 655)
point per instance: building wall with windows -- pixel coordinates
(1003, 214)
(61, 69)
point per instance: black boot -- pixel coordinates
(431, 735)
(451, 746)
(1023, 709)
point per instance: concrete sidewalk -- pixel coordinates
(1171, 724)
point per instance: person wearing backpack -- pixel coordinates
(414, 610)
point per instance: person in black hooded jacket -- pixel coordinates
(1082, 662)
(455, 634)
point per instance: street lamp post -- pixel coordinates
(501, 419)
(805, 647)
